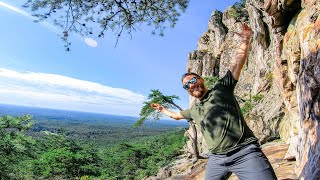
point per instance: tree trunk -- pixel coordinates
(193, 137)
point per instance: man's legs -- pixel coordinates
(216, 169)
(251, 163)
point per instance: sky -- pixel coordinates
(95, 76)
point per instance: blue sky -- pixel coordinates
(95, 76)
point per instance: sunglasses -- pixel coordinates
(194, 80)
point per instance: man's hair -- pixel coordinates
(187, 74)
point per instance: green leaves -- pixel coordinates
(249, 104)
(147, 112)
(137, 159)
(15, 147)
(88, 17)
(60, 156)
(20, 123)
(210, 80)
(55, 156)
(22, 157)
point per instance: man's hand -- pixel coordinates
(245, 34)
(174, 115)
(157, 107)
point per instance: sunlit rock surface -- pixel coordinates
(281, 80)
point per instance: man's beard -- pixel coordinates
(197, 91)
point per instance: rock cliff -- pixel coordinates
(279, 88)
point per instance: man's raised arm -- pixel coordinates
(173, 115)
(242, 52)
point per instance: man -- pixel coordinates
(232, 145)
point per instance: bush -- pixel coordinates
(15, 147)
(233, 12)
(61, 157)
(135, 160)
(269, 77)
(210, 80)
(248, 105)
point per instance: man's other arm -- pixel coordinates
(171, 114)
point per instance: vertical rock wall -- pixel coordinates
(283, 70)
(305, 63)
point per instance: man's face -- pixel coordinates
(194, 85)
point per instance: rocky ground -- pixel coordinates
(275, 151)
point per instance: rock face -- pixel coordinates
(275, 151)
(279, 86)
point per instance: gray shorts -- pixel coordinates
(247, 163)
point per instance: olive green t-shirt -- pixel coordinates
(219, 116)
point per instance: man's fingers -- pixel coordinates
(246, 27)
(235, 33)
(156, 106)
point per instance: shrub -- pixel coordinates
(247, 107)
(269, 76)
(210, 80)
(233, 12)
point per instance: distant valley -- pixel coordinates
(100, 129)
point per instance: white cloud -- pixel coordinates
(90, 42)
(12, 8)
(56, 91)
